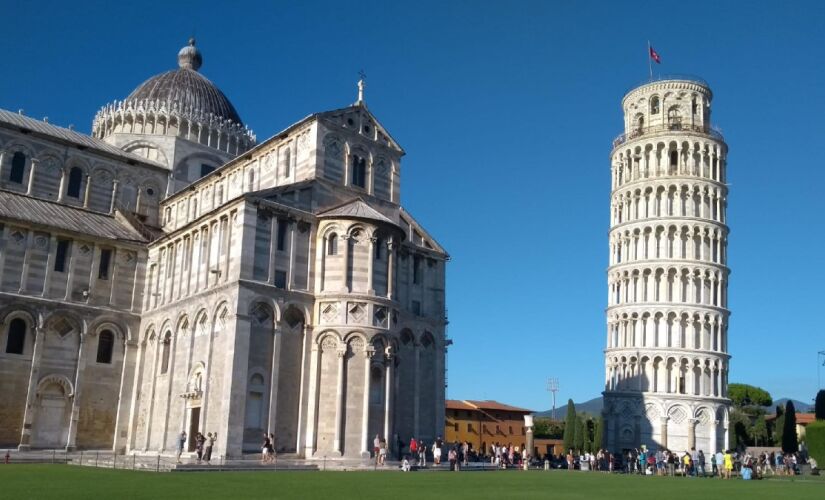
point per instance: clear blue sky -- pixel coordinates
(507, 111)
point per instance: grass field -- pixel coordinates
(66, 482)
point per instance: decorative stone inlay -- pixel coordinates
(17, 237)
(380, 317)
(329, 312)
(62, 327)
(356, 312)
(85, 249)
(41, 241)
(678, 415)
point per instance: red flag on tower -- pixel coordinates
(654, 55)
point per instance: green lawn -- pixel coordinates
(66, 482)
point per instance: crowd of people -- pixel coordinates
(692, 463)
(203, 446)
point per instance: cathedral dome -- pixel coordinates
(187, 88)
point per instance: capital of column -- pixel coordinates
(369, 352)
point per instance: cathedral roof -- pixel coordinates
(187, 88)
(356, 209)
(24, 208)
(19, 121)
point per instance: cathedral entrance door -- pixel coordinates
(194, 423)
(50, 426)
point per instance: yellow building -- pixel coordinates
(485, 423)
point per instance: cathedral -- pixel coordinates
(169, 273)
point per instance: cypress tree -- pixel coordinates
(569, 426)
(819, 406)
(580, 432)
(790, 444)
(597, 434)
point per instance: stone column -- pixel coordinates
(663, 431)
(113, 201)
(88, 191)
(312, 394)
(291, 278)
(273, 246)
(32, 168)
(273, 380)
(339, 400)
(78, 385)
(417, 392)
(391, 270)
(388, 400)
(61, 191)
(713, 438)
(691, 425)
(34, 374)
(345, 263)
(365, 409)
(370, 266)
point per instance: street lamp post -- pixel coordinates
(553, 388)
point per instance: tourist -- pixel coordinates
(382, 452)
(570, 463)
(422, 454)
(465, 452)
(265, 449)
(405, 465)
(413, 448)
(437, 451)
(671, 463)
(686, 464)
(766, 463)
(210, 443)
(451, 456)
(700, 462)
(181, 443)
(720, 463)
(199, 441)
(728, 464)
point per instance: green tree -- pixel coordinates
(578, 440)
(759, 431)
(790, 444)
(569, 426)
(598, 430)
(819, 406)
(744, 395)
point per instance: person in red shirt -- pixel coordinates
(413, 446)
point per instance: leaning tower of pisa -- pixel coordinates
(666, 361)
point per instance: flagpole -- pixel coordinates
(649, 61)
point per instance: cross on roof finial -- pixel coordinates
(361, 84)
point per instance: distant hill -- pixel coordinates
(800, 406)
(591, 407)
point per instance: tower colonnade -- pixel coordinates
(666, 356)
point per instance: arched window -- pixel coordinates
(164, 362)
(18, 166)
(16, 336)
(674, 118)
(674, 158)
(378, 244)
(75, 178)
(359, 171)
(640, 123)
(105, 346)
(654, 105)
(332, 245)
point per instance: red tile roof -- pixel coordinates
(468, 404)
(801, 418)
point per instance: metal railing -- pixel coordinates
(711, 131)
